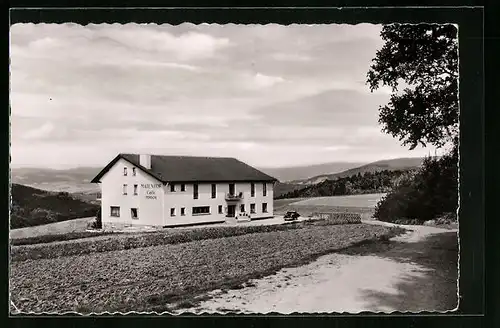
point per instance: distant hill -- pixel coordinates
(390, 164)
(77, 180)
(281, 188)
(287, 174)
(359, 183)
(69, 180)
(31, 207)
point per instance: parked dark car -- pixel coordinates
(291, 216)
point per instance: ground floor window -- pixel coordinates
(242, 208)
(201, 210)
(115, 211)
(133, 213)
(252, 208)
(264, 207)
(172, 212)
(220, 209)
(183, 211)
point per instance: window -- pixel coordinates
(115, 211)
(264, 189)
(183, 187)
(201, 210)
(133, 213)
(172, 212)
(124, 189)
(183, 211)
(195, 191)
(242, 208)
(264, 207)
(252, 190)
(220, 209)
(231, 188)
(214, 190)
(124, 171)
(135, 189)
(252, 208)
(133, 171)
(172, 187)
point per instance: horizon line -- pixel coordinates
(69, 167)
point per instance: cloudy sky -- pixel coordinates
(269, 95)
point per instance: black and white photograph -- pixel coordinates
(233, 168)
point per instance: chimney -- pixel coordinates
(145, 160)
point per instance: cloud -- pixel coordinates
(336, 107)
(290, 57)
(146, 38)
(270, 95)
(40, 133)
(266, 81)
(191, 45)
(140, 62)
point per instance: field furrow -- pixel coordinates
(150, 278)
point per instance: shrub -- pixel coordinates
(447, 218)
(97, 223)
(338, 218)
(405, 221)
(430, 192)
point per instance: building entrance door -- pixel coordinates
(231, 211)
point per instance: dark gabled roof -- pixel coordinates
(192, 169)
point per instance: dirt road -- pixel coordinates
(414, 272)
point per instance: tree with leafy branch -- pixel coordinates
(420, 64)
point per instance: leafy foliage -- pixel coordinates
(339, 217)
(432, 191)
(377, 182)
(31, 207)
(97, 223)
(425, 58)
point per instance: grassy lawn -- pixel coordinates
(153, 278)
(308, 210)
(278, 203)
(363, 201)
(362, 204)
(64, 227)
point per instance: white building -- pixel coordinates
(164, 191)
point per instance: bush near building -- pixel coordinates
(426, 195)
